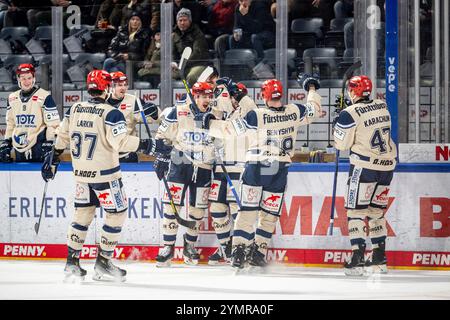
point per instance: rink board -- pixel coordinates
(418, 216)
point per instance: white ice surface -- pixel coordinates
(44, 280)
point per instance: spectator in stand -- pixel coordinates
(15, 13)
(220, 24)
(343, 9)
(143, 7)
(254, 27)
(150, 70)
(188, 34)
(193, 6)
(130, 43)
(106, 25)
(155, 20)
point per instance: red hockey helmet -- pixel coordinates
(118, 76)
(25, 68)
(98, 80)
(271, 89)
(360, 85)
(203, 88)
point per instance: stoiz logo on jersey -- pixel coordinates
(195, 137)
(25, 119)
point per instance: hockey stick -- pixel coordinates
(184, 58)
(205, 74)
(348, 73)
(180, 220)
(38, 224)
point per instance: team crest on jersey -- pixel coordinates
(21, 139)
(214, 190)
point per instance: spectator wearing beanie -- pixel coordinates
(130, 43)
(188, 34)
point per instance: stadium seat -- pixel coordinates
(12, 61)
(322, 58)
(335, 37)
(91, 60)
(43, 33)
(238, 63)
(16, 36)
(270, 58)
(305, 33)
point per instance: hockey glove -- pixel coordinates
(202, 120)
(50, 165)
(151, 110)
(152, 146)
(305, 80)
(238, 91)
(227, 82)
(161, 165)
(5, 151)
(46, 147)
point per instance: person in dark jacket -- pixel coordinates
(130, 43)
(143, 7)
(188, 34)
(254, 26)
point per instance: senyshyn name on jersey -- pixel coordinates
(26, 120)
(372, 121)
(370, 107)
(89, 109)
(281, 131)
(279, 118)
(85, 124)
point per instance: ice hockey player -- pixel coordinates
(96, 132)
(364, 128)
(190, 168)
(272, 133)
(128, 105)
(231, 102)
(31, 120)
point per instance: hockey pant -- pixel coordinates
(223, 208)
(180, 178)
(88, 196)
(367, 196)
(262, 195)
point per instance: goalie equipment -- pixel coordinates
(355, 267)
(105, 270)
(190, 254)
(164, 258)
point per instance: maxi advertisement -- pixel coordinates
(418, 217)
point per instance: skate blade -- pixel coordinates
(166, 264)
(256, 269)
(107, 278)
(376, 269)
(190, 262)
(214, 263)
(359, 271)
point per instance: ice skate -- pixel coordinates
(105, 270)
(190, 254)
(165, 256)
(257, 260)
(72, 270)
(355, 267)
(239, 258)
(377, 263)
(221, 255)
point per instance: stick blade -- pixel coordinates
(205, 74)
(36, 228)
(185, 56)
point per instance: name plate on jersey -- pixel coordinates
(424, 152)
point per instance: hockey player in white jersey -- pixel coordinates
(272, 133)
(95, 131)
(128, 105)
(190, 168)
(231, 102)
(364, 128)
(31, 120)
